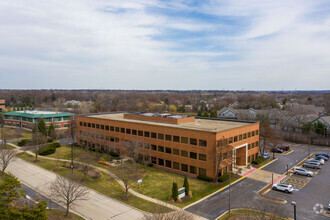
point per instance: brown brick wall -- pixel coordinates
(209, 151)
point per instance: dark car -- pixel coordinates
(277, 150)
(325, 155)
(285, 148)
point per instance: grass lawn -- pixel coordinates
(64, 152)
(247, 214)
(157, 184)
(12, 133)
(103, 185)
(55, 214)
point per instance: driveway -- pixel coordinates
(243, 193)
(97, 206)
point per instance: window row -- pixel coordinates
(253, 145)
(239, 137)
(148, 134)
(252, 157)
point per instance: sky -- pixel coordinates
(163, 44)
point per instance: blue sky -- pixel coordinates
(158, 44)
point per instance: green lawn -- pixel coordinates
(55, 214)
(248, 214)
(103, 185)
(12, 133)
(158, 184)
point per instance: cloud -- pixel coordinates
(150, 44)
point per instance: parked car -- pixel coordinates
(266, 156)
(329, 206)
(277, 150)
(283, 187)
(318, 159)
(325, 155)
(302, 171)
(310, 164)
(285, 148)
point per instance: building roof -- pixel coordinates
(38, 114)
(200, 124)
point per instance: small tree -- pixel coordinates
(6, 156)
(51, 131)
(214, 114)
(200, 113)
(42, 126)
(206, 114)
(186, 185)
(172, 108)
(67, 190)
(84, 169)
(128, 172)
(38, 139)
(175, 192)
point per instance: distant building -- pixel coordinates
(188, 108)
(27, 119)
(325, 120)
(2, 105)
(179, 143)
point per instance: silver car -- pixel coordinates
(310, 164)
(302, 171)
(321, 161)
(283, 187)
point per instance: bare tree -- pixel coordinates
(128, 172)
(38, 139)
(224, 155)
(67, 190)
(161, 214)
(6, 156)
(84, 169)
(274, 141)
(269, 210)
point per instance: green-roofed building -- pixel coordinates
(26, 119)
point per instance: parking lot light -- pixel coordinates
(294, 209)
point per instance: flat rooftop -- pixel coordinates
(200, 124)
(38, 114)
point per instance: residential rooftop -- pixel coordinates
(201, 124)
(38, 114)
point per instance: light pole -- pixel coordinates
(294, 209)
(272, 179)
(287, 169)
(71, 165)
(229, 186)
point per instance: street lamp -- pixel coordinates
(71, 165)
(294, 209)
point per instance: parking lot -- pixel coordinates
(310, 193)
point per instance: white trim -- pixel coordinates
(246, 153)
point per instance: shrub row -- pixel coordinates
(224, 177)
(258, 161)
(49, 149)
(23, 142)
(205, 178)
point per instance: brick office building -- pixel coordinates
(2, 105)
(184, 144)
(27, 118)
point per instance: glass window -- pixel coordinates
(134, 132)
(184, 167)
(168, 137)
(176, 165)
(93, 125)
(122, 130)
(81, 123)
(85, 124)
(168, 163)
(202, 157)
(112, 128)
(140, 133)
(249, 134)
(240, 137)
(257, 132)
(153, 160)
(176, 138)
(193, 155)
(89, 125)
(202, 172)
(176, 151)
(252, 133)
(128, 131)
(184, 140)
(107, 127)
(102, 127)
(97, 126)
(153, 135)
(235, 139)
(193, 170)
(193, 141)
(147, 134)
(257, 144)
(161, 136)
(202, 143)
(168, 150)
(230, 140)
(160, 162)
(160, 148)
(153, 147)
(184, 153)
(244, 136)
(116, 129)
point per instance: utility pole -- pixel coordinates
(287, 169)
(71, 159)
(229, 188)
(294, 210)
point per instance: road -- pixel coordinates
(97, 206)
(243, 193)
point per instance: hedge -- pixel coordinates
(47, 150)
(55, 144)
(23, 142)
(258, 161)
(224, 177)
(205, 178)
(114, 154)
